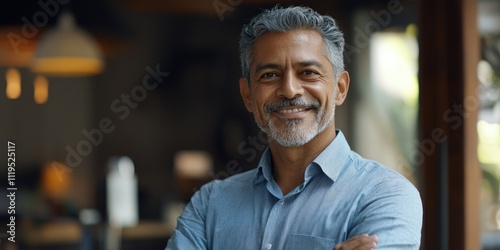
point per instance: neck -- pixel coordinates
(290, 163)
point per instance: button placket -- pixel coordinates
(272, 221)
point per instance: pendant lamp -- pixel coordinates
(67, 51)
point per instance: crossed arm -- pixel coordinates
(360, 242)
(388, 221)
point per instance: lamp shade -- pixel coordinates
(67, 51)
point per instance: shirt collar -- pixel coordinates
(264, 171)
(331, 161)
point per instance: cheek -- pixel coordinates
(262, 95)
(321, 94)
(257, 104)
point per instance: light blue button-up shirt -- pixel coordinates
(343, 195)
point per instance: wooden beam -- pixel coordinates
(472, 170)
(449, 53)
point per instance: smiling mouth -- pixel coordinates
(291, 108)
(290, 111)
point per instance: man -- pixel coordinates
(309, 191)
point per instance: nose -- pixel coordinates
(290, 87)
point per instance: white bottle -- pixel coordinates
(122, 193)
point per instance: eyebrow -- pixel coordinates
(311, 63)
(266, 66)
(300, 64)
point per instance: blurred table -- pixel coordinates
(70, 232)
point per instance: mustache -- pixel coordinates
(297, 101)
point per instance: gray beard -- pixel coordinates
(296, 135)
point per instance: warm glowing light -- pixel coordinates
(41, 90)
(489, 144)
(394, 63)
(485, 73)
(67, 50)
(13, 78)
(67, 66)
(193, 164)
(56, 180)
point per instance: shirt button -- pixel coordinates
(269, 246)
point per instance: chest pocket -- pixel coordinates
(309, 242)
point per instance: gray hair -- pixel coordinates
(280, 19)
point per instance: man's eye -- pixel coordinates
(309, 73)
(268, 75)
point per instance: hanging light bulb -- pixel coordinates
(41, 86)
(67, 51)
(13, 78)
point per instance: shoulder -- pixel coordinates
(235, 182)
(217, 195)
(378, 174)
(387, 187)
(379, 184)
(237, 179)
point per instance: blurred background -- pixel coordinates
(120, 110)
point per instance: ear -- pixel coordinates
(245, 94)
(342, 87)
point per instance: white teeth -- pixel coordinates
(289, 111)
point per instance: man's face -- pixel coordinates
(292, 91)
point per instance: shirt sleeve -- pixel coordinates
(392, 211)
(190, 232)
